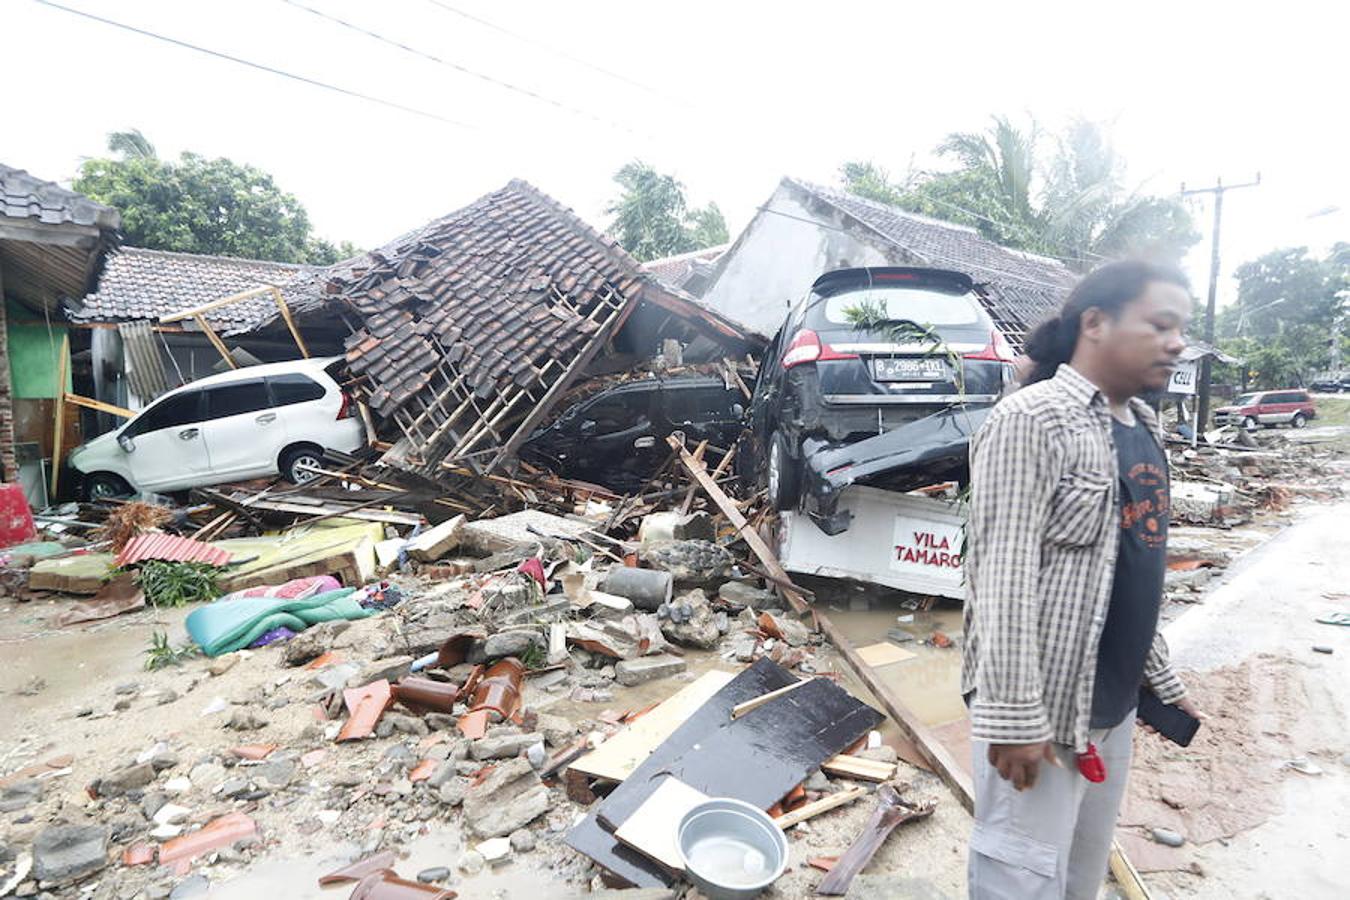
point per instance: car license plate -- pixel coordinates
(902, 369)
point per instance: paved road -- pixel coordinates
(1267, 605)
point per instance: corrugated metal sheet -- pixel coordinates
(170, 548)
(144, 365)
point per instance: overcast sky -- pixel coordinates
(728, 96)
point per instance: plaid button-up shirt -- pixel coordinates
(1042, 538)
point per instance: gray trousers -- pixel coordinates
(1051, 841)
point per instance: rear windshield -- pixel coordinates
(928, 308)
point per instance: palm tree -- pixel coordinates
(131, 144)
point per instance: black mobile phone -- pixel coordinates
(1172, 722)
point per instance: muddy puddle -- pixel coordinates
(296, 877)
(928, 682)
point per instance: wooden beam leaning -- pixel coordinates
(99, 406)
(290, 323)
(738, 521)
(59, 415)
(933, 751)
(197, 311)
(215, 340)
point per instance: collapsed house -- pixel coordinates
(470, 329)
(806, 229)
(52, 247)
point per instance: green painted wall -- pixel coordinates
(34, 354)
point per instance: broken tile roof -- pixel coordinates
(23, 196)
(147, 284)
(496, 288)
(1018, 288)
(675, 271)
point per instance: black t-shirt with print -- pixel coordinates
(1141, 564)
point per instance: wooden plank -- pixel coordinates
(197, 311)
(884, 654)
(1127, 876)
(738, 521)
(290, 323)
(651, 829)
(858, 769)
(99, 406)
(333, 510)
(59, 417)
(616, 758)
(216, 341)
(741, 709)
(823, 805)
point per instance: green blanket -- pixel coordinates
(223, 627)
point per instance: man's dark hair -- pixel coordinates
(1108, 287)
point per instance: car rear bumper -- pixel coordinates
(925, 451)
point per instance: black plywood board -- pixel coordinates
(757, 758)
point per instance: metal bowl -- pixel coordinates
(730, 849)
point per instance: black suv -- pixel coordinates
(617, 438)
(880, 376)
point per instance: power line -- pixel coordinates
(556, 52)
(457, 67)
(393, 104)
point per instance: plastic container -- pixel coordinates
(730, 849)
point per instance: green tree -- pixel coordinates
(652, 218)
(1072, 204)
(131, 145)
(1282, 322)
(199, 205)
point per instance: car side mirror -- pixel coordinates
(588, 427)
(126, 443)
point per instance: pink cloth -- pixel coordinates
(296, 589)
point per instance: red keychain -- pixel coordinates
(1091, 765)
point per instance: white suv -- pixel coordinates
(247, 423)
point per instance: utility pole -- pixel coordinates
(1218, 190)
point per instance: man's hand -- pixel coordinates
(1019, 763)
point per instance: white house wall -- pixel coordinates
(771, 266)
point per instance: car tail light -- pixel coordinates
(997, 350)
(347, 409)
(806, 347)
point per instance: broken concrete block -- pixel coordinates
(436, 542)
(510, 643)
(63, 852)
(386, 553)
(125, 779)
(503, 746)
(690, 562)
(629, 672)
(558, 731)
(389, 669)
(495, 850)
(691, 622)
(738, 593)
(510, 797)
(313, 642)
(16, 796)
(663, 527)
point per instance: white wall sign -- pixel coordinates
(1184, 377)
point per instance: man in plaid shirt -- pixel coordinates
(1067, 553)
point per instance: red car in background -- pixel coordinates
(1268, 408)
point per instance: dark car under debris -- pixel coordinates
(879, 377)
(617, 437)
